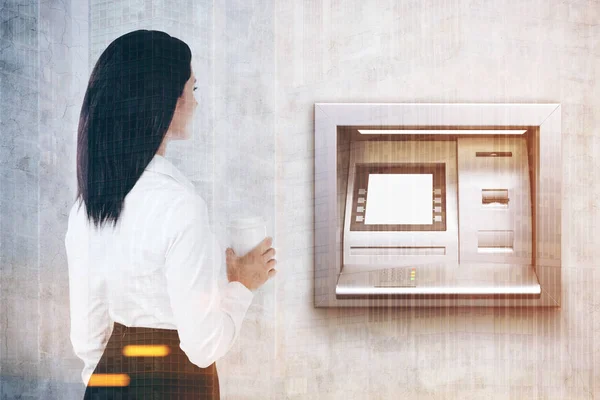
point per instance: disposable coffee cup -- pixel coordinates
(246, 233)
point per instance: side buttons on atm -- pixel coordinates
(359, 218)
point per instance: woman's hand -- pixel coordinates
(254, 268)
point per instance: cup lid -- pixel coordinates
(247, 222)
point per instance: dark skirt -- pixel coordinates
(171, 376)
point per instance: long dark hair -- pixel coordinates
(127, 109)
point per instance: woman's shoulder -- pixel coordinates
(159, 191)
(190, 206)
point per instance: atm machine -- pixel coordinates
(402, 217)
(434, 214)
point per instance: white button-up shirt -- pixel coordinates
(159, 268)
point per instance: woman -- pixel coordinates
(147, 315)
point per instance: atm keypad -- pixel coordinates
(394, 277)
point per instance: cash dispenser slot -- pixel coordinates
(495, 241)
(398, 251)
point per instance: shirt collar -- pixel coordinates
(163, 166)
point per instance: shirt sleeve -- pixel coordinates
(208, 320)
(91, 326)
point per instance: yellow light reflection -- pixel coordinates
(109, 380)
(146, 350)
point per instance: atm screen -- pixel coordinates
(399, 199)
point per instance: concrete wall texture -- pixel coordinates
(261, 66)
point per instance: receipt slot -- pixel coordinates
(437, 204)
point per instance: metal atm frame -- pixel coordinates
(350, 255)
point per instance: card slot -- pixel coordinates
(494, 198)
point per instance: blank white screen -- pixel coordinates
(399, 199)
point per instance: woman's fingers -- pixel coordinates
(264, 245)
(268, 254)
(272, 273)
(271, 264)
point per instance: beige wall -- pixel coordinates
(433, 51)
